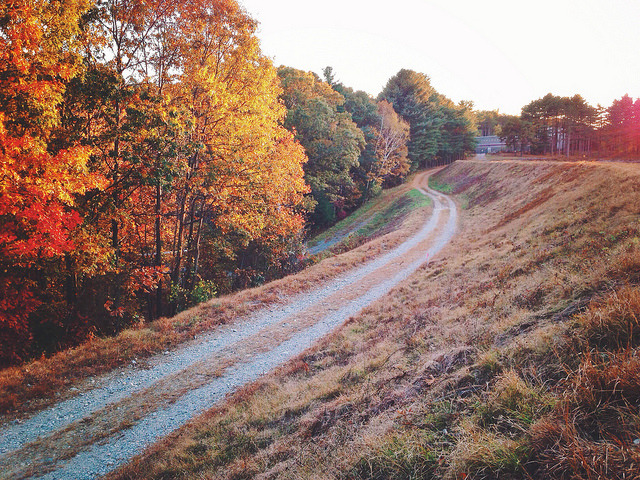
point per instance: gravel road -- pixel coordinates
(127, 410)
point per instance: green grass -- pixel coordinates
(346, 223)
(397, 210)
(440, 187)
(399, 456)
(376, 218)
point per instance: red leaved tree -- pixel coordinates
(38, 183)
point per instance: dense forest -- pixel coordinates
(554, 125)
(153, 157)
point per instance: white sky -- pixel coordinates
(501, 54)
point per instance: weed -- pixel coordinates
(482, 454)
(440, 416)
(398, 457)
(489, 362)
(512, 405)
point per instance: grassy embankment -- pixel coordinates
(29, 387)
(375, 219)
(514, 354)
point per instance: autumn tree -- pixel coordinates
(245, 181)
(119, 109)
(369, 175)
(187, 127)
(363, 110)
(143, 152)
(332, 141)
(38, 57)
(391, 145)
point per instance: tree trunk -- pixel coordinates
(187, 281)
(71, 282)
(158, 262)
(175, 274)
(198, 237)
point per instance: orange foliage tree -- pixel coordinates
(190, 139)
(38, 56)
(185, 123)
(245, 183)
(142, 151)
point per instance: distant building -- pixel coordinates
(490, 144)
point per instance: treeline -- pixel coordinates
(152, 157)
(440, 130)
(357, 144)
(555, 125)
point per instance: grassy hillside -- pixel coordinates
(376, 218)
(512, 355)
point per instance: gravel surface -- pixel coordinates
(102, 457)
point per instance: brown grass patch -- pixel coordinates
(541, 198)
(614, 322)
(594, 432)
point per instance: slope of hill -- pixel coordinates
(513, 354)
(374, 219)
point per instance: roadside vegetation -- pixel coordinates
(513, 354)
(373, 220)
(43, 381)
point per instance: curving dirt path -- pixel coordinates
(127, 410)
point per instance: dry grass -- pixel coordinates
(585, 425)
(384, 396)
(472, 368)
(594, 431)
(614, 322)
(588, 369)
